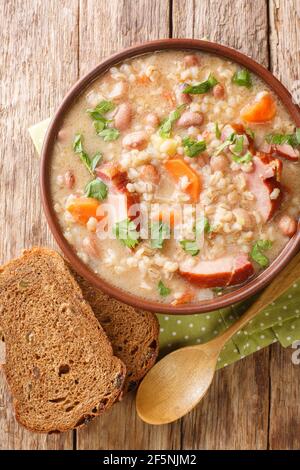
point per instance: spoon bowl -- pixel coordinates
(172, 401)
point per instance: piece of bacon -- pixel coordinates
(286, 151)
(118, 195)
(221, 272)
(262, 181)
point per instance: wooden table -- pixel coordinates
(45, 47)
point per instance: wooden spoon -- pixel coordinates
(176, 384)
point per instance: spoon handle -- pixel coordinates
(277, 287)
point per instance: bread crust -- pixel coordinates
(38, 291)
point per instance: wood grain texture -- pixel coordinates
(234, 413)
(284, 432)
(284, 42)
(234, 23)
(38, 63)
(222, 420)
(106, 27)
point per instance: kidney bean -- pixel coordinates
(152, 119)
(69, 179)
(218, 91)
(287, 225)
(135, 140)
(188, 118)
(182, 98)
(190, 60)
(123, 116)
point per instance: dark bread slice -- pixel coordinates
(133, 333)
(59, 363)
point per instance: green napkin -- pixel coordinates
(280, 321)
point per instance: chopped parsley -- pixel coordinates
(96, 189)
(242, 78)
(163, 290)
(126, 232)
(159, 232)
(257, 252)
(192, 147)
(78, 148)
(190, 247)
(166, 126)
(290, 139)
(101, 122)
(202, 87)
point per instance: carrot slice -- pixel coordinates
(83, 208)
(184, 299)
(143, 80)
(178, 168)
(261, 111)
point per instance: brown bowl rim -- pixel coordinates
(241, 293)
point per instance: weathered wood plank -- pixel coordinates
(284, 430)
(237, 24)
(106, 27)
(222, 420)
(285, 41)
(38, 63)
(234, 414)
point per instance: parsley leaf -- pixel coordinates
(192, 147)
(238, 144)
(126, 232)
(166, 126)
(77, 143)
(163, 290)
(96, 189)
(242, 77)
(101, 108)
(243, 158)
(78, 148)
(256, 252)
(279, 139)
(95, 160)
(159, 232)
(109, 134)
(190, 246)
(202, 87)
(100, 125)
(225, 144)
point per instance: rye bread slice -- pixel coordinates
(133, 333)
(59, 363)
